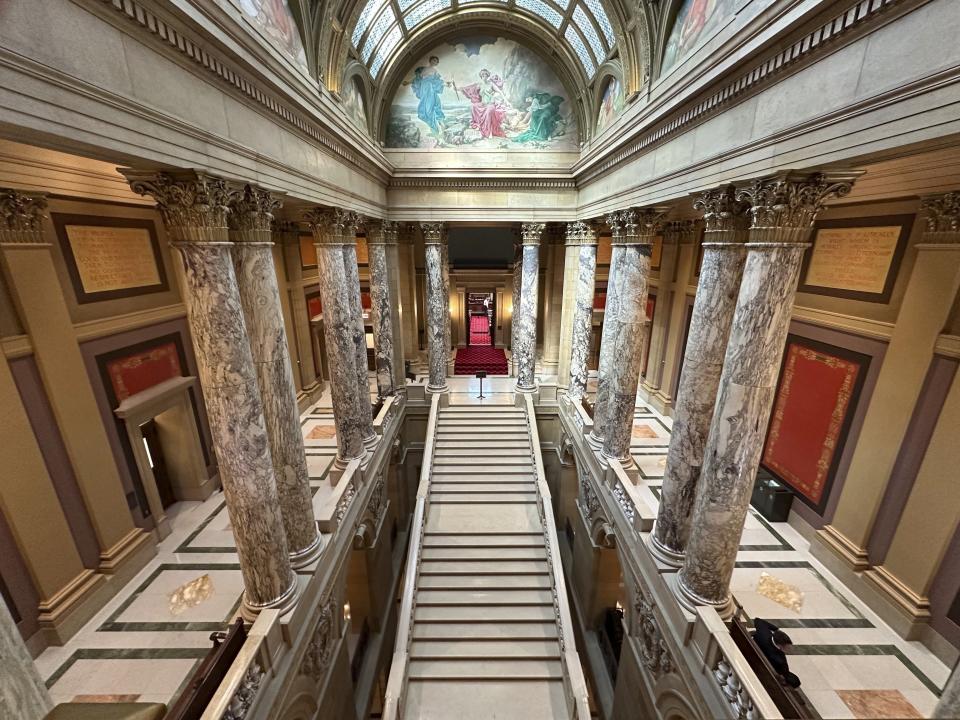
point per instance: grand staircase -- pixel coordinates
(482, 633)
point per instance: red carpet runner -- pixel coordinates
(471, 359)
(479, 330)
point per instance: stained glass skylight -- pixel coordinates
(366, 15)
(544, 10)
(576, 42)
(590, 33)
(379, 29)
(423, 11)
(386, 47)
(596, 9)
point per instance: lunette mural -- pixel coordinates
(275, 21)
(611, 104)
(695, 20)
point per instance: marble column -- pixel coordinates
(581, 236)
(628, 319)
(385, 308)
(571, 254)
(346, 224)
(607, 351)
(251, 214)
(23, 693)
(351, 407)
(194, 208)
(724, 254)
(438, 311)
(445, 269)
(553, 300)
(948, 706)
(515, 312)
(784, 207)
(407, 272)
(526, 319)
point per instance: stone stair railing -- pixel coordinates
(575, 685)
(397, 680)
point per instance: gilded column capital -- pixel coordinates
(382, 232)
(251, 213)
(942, 215)
(21, 217)
(288, 231)
(784, 206)
(194, 205)
(726, 218)
(531, 232)
(434, 233)
(680, 232)
(333, 226)
(614, 221)
(641, 226)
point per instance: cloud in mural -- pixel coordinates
(482, 93)
(275, 21)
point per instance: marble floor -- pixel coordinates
(851, 664)
(144, 644)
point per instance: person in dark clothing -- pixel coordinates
(775, 643)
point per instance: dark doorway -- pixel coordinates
(151, 440)
(480, 315)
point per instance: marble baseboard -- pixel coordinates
(842, 548)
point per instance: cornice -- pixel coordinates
(736, 86)
(483, 183)
(181, 43)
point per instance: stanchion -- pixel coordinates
(481, 374)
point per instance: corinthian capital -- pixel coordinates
(642, 226)
(679, 232)
(332, 226)
(251, 212)
(433, 233)
(382, 232)
(791, 201)
(531, 232)
(726, 218)
(614, 221)
(942, 215)
(21, 217)
(194, 206)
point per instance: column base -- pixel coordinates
(525, 390)
(63, 614)
(625, 462)
(595, 441)
(340, 463)
(691, 601)
(124, 550)
(663, 554)
(438, 389)
(370, 442)
(854, 556)
(301, 558)
(286, 602)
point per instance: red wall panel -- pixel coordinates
(137, 372)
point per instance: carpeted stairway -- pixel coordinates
(479, 330)
(471, 359)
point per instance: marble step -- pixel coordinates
(469, 443)
(477, 668)
(485, 597)
(465, 499)
(466, 648)
(486, 567)
(482, 410)
(487, 484)
(483, 518)
(462, 458)
(484, 613)
(480, 434)
(486, 631)
(490, 451)
(504, 699)
(491, 540)
(482, 470)
(428, 552)
(484, 582)
(504, 423)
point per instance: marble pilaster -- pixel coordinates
(526, 319)
(553, 300)
(581, 236)
(407, 272)
(385, 310)
(438, 311)
(784, 207)
(339, 329)
(724, 254)
(251, 214)
(628, 319)
(346, 224)
(23, 693)
(607, 351)
(194, 208)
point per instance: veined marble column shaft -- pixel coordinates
(948, 706)
(194, 208)
(384, 308)
(251, 213)
(527, 318)
(724, 254)
(346, 225)
(23, 693)
(447, 336)
(339, 328)
(515, 315)
(607, 350)
(582, 316)
(437, 310)
(629, 318)
(784, 207)
(571, 254)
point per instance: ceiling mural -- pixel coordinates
(353, 103)
(611, 104)
(273, 19)
(695, 20)
(483, 93)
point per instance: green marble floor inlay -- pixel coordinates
(125, 654)
(868, 649)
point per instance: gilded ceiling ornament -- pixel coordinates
(21, 217)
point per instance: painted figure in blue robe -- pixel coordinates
(428, 85)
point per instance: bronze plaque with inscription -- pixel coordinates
(110, 257)
(856, 259)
